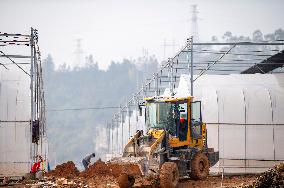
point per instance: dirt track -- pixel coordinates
(146, 182)
(217, 181)
(102, 174)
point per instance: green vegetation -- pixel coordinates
(74, 133)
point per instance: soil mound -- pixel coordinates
(99, 173)
(99, 168)
(271, 178)
(65, 170)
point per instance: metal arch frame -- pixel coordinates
(36, 80)
(154, 85)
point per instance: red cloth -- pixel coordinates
(181, 120)
(35, 167)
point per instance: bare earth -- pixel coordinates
(102, 175)
(110, 181)
(217, 181)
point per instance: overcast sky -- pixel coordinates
(117, 29)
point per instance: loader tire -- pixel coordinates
(125, 180)
(169, 175)
(199, 166)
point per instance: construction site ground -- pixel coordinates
(102, 174)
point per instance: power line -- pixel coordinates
(79, 109)
(14, 63)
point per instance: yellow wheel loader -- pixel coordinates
(175, 144)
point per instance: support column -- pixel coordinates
(32, 94)
(191, 67)
(121, 119)
(171, 76)
(129, 114)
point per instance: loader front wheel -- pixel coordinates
(125, 180)
(199, 166)
(169, 175)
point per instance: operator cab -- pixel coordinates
(180, 117)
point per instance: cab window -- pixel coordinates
(196, 121)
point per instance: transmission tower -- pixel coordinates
(79, 53)
(144, 53)
(194, 23)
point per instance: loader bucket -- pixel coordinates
(135, 166)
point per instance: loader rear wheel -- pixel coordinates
(169, 175)
(199, 166)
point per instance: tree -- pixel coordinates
(257, 36)
(48, 65)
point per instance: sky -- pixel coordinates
(111, 30)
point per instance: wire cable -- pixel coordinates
(15, 63)
(79, 109)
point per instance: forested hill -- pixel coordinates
(74, 131)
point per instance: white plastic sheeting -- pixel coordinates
(121, 132)
(244, 116)
(14, 126)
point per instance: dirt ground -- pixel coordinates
(140, 182)
(102, 174)
(218, 181)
